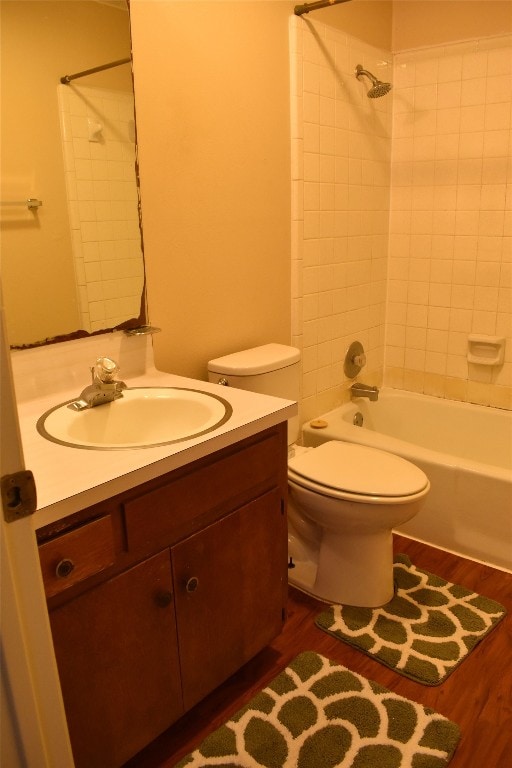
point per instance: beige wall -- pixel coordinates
(41, 41)
(212, 105)
(418, 23)
(368, 20)
(401, 24)
(212, 98)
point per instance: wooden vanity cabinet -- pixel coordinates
(147, 619)
(228, 593)
(117, 653)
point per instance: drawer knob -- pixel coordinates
(192, 584)
(65, 568)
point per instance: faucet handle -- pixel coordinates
(355, 360)
(105, 369)
(359, 360)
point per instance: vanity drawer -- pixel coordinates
(168, 513)
(76, 555)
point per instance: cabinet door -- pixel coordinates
(231, 584)
(116, 650)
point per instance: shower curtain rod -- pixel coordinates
(307, 7)
(66, 79)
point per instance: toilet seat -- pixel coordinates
(358, 473)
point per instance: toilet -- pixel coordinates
(344, 498)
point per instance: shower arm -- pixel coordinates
(360, 71)
(299, 10)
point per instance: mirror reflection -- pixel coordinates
(73, 263)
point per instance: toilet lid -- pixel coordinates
(358, 469)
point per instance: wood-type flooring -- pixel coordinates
(477, 695)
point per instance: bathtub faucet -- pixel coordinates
(364, 390)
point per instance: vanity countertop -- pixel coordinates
(69, 479)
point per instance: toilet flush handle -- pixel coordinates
(223, 381)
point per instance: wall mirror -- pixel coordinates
(72, 261)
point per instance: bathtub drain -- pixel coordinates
(358, 420)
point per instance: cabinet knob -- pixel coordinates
(192, 584)
(163, 599)
(65, 568)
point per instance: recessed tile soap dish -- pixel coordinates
(486, 350)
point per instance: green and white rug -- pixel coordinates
(424, 632)
(318, 714)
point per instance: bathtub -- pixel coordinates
(466, 452)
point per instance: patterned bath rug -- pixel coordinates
(424, 632)
(318, 714)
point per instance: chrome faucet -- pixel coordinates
(364, 390)
(104, 387)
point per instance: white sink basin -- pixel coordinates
(143, 417)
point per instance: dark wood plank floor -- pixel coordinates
(477, 696)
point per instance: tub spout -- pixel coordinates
(364, 390)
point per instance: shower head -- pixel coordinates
(378, 88)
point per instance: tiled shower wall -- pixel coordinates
(98, 135)
(341, 151)
(451, 221)
(448, 270)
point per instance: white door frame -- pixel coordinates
(33, 721)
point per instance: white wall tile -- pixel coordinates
(448, 182)
(470, 122)
(346, 157)
(99, 171)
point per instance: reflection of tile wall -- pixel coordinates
(99, 154)
(451, 219)
(340, 208)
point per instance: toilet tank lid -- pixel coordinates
(248, 362)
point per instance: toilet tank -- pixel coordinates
(272, 369)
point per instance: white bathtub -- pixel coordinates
(466, 451)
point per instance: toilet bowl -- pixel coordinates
(344, 499)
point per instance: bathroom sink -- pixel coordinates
(143, 417)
